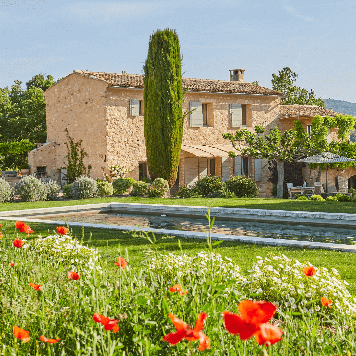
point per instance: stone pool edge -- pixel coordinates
(257, 214)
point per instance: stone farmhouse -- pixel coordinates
(105, 111)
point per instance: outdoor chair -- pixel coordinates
(318, 188)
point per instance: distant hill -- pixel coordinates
(343, 107)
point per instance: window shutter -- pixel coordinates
(236, 115)
(238, 167)
(196, 116)
(191, 170)
(203, 167)
(225, 168)
(135, 107)
(258, 173)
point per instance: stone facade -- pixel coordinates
(95, 108)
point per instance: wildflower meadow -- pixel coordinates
(61, 297)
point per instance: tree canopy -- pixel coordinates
(284, 82)
(296, 143)
(23, 111)
(163, 98)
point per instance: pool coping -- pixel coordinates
(200, 211)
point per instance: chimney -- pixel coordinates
(237, 75)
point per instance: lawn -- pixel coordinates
(249, 203)
(139, 297)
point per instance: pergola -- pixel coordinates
(326, 157)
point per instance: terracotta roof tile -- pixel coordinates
(191, 84)
(305, 110)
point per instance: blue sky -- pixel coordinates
(316, 39)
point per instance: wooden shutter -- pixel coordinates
(225, 163)
(258, 172)
(236, 115)
(203, 167)
(190, 171)
(196, 116)
(134, 107)
(237, 166)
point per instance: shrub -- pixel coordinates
(67, 190)
(208, 185)
(223, 193)
(302, 197)
(105, 188)
(122, 185)
(317, 197)
(187, 192)
(158, 188)
(66, 250)
(343, 197)
(281, 280)
(6, 192)
(84, 188)
(331, 198)
(51, 187)
(30, 188)
(243, 187)
(139, 189)
(204, 265)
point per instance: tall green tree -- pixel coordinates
(163, 98)
(284, 82)
(23, 111)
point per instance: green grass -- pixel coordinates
(249, 203)
(65, 308)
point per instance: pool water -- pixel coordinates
(264, 229)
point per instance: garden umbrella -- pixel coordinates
(326, 157)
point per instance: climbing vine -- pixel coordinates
(75, 160)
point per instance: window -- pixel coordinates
(141, 108)
(199, 114)
(41, 172)
(212, 166)
(244, 166)
(142, 171)
(238, 115)
(309, 129)
(205, 114)
(136, 107)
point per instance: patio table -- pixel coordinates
(299, 190)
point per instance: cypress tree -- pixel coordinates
(163, 98)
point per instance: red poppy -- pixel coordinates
(252, 321)
(109, 324)
(18, 243)
(121, 262)
(309, 271)
(184, 331)
(62, 230)
(73, 275)
(13, 264)
(21, 334)
(1, 234)
(178, 288)
(326, 302)
(20, 225)
(50, 341)
(27, 230)
(36, 286)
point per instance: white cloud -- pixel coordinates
(294, 12)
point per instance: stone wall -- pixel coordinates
(45, 156)
(78, 104)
